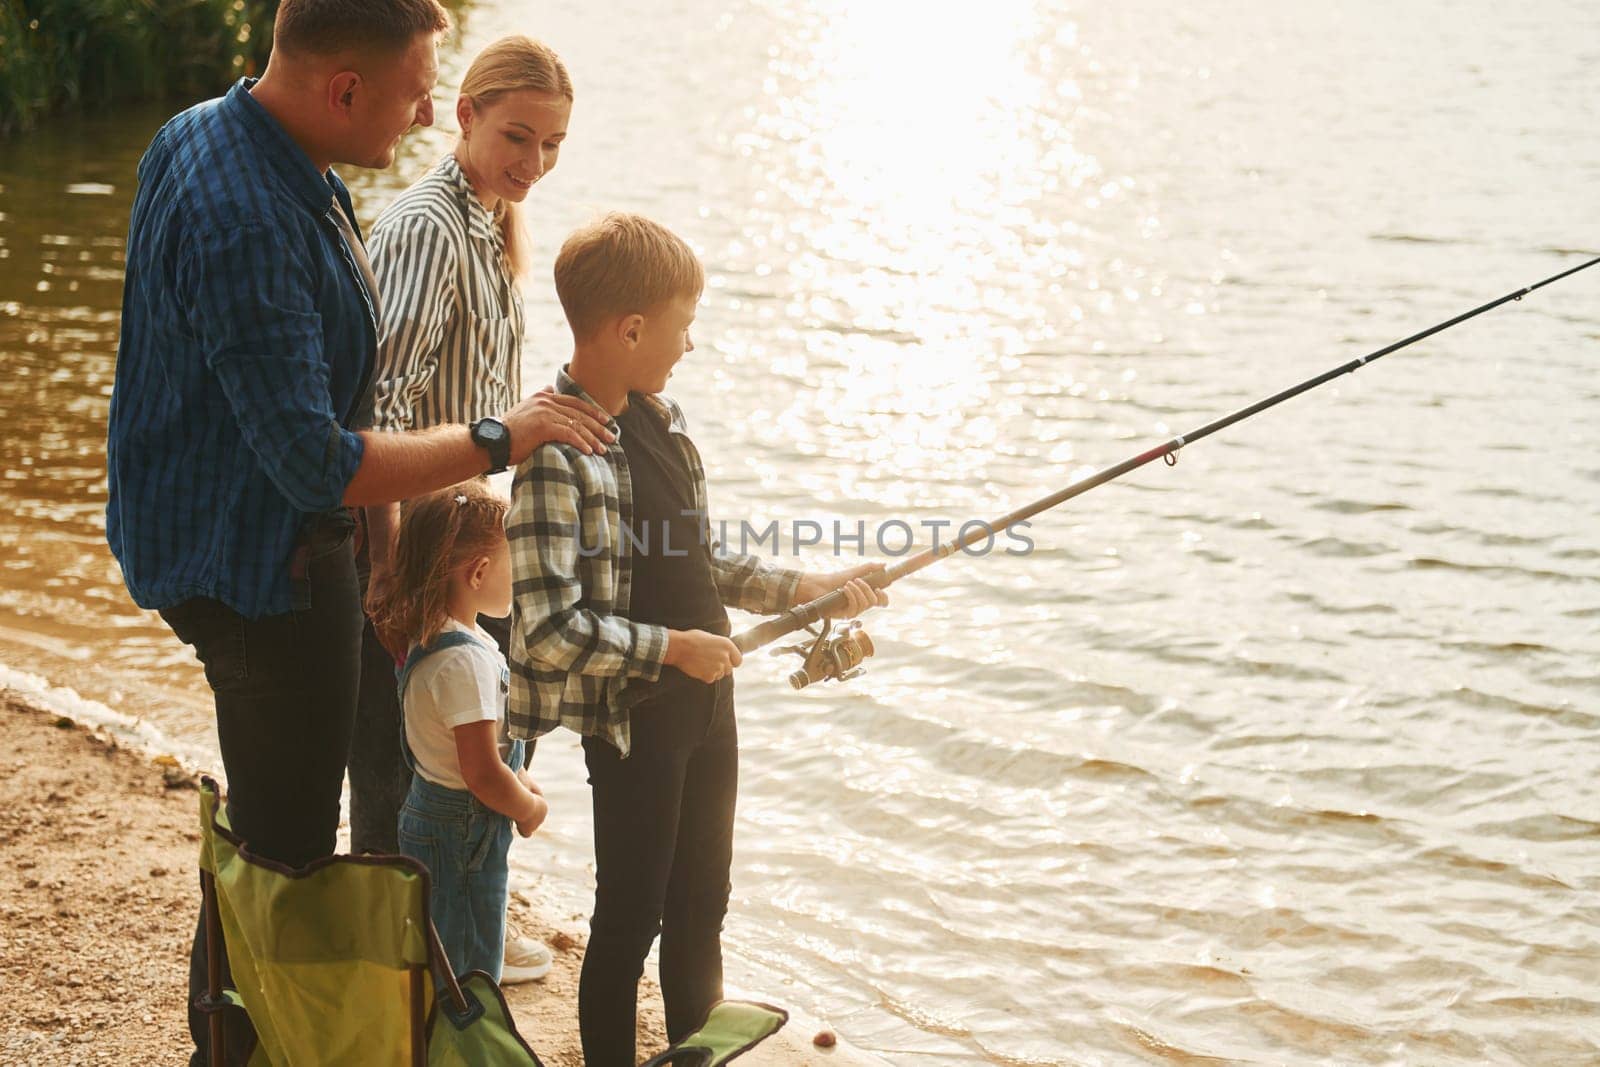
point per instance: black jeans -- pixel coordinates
(285, 689)
(663, 843)
(379, 777)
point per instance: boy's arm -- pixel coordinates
(750, 583)
(773, 589)
(554, 631)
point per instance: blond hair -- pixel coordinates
(621, 265)
(439, 534)
(509, 65)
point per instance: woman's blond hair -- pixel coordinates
(510, 65)
(620, 265)
(439, 533)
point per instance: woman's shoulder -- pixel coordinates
(431, 203)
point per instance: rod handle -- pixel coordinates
(802, 615)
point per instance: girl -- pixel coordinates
(452, 564)
(449, 255)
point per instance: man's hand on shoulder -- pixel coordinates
(548, 416)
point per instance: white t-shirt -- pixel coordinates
(450, 688)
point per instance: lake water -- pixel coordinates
(1284, 755)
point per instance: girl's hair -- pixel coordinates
(439, 534)
(509, 65)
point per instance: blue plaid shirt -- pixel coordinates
(247, 339)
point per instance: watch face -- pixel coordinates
(491, 432)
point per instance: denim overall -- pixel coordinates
(462, 842)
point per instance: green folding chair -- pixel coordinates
(337, 962)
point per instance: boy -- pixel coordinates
(619, 631)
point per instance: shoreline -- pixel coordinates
(95, 925)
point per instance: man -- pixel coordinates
(236, 443)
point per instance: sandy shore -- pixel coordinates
(98, 899)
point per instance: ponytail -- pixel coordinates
(409, 602)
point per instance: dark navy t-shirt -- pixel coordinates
(673, 585)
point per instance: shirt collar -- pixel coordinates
(480, 220)
(281, 151)
(565, 384)
(670, 414)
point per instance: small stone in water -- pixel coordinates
(824, 1039)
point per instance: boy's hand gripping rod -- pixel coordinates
(838, 656)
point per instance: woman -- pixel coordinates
(448, 255)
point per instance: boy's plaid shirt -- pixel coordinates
(574, 651)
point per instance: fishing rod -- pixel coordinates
(838, 655)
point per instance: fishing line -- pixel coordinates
(838, 655)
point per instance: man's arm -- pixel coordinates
(261, 334)
(263, 341)
(399, 466)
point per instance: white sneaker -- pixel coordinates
(527, 959)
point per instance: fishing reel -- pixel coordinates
(835, 655)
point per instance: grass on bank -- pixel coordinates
(57, 54)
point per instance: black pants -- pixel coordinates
(285, 689)
(663, 842)
(379, 777)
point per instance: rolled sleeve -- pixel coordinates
(751, 584)
(252, 306)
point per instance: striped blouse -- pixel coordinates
(450, 344)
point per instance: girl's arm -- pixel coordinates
(491, 781)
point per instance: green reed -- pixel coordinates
(95, 53)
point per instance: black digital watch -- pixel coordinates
(492, 436)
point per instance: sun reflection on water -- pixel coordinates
(914, 153)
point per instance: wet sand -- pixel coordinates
(97, 905)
